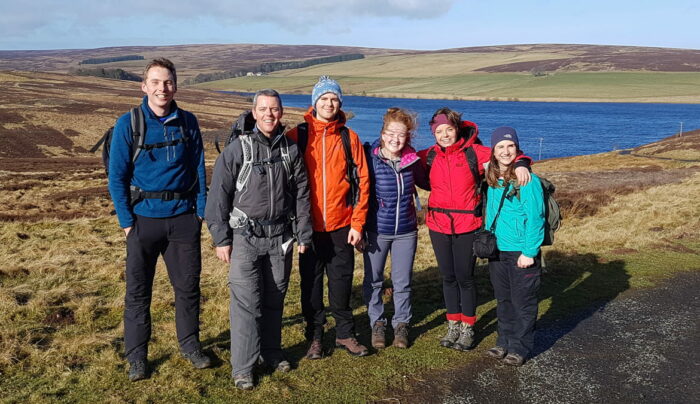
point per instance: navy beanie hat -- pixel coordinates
(326, 85)
(504, 133)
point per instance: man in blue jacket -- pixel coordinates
(159, 193)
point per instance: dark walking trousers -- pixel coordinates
(177, 239)
(455, 259)
(331, 254)
(515, 290)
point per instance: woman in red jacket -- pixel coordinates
(455, 167)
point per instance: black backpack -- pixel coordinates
(552, 211)
(138, 132)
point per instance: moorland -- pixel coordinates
(630, 221)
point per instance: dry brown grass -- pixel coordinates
(62, 263)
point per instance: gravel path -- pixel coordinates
(640, 348)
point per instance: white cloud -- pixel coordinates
(21, 18)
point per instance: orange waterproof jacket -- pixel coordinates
(325, 163)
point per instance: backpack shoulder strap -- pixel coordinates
(138, 132)
(350, 168)
(247, 165)
(302, 137)
(286, 159)
(474, 167)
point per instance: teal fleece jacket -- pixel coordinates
(520, 225)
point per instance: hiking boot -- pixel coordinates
(137, 370)
(352, 346)
(282, 366)
(453, 333)
(243, 382)
(513, 359)
(378, 338)
(401, 335)
(315, 350)
(465, 341)
(198, 359)
(496, 352)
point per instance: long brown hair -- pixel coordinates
(494, 172)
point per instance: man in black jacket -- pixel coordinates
(258, 204)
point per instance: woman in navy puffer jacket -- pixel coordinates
(391, 224)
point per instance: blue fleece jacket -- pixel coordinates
(520, 225)
(176, 168)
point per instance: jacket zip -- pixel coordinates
(323, 143)
(399, 191)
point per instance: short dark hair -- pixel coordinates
(161, 62)
(267, 92)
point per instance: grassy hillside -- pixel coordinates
(562, 86)
(631, 219)
(541, 72)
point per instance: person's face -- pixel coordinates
(394, 137)
(267, 113)
(327, 107)
(160, 88)
(445, 135)
(505, 152)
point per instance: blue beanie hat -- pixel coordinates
(325, 85)
(504, 133)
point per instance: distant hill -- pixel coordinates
(192, 60)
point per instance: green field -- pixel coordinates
(560, 86)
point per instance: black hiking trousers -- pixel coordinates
(515, 290)
(177, 239)
(331, 254)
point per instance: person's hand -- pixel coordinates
(127, 230)
(302, 249)
(354, 237)
(523, 175)
(224, 253)
(525, 262)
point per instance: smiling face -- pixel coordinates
(327, 107)
(267, 113)
(394, 138)
(505, 152)
(445, 135)
(160, 88)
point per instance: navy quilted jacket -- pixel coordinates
(392, 205)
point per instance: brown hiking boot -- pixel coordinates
(352, 346)
(401, 335)
(513, 359)
(315, 350)
(378, 338)
(453, 333)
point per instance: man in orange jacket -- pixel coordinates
(338, 220)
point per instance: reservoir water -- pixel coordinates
(562, 128)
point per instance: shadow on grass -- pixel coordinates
(577, 286)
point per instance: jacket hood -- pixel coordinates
(408, 154)
(310, 117)
(470, 131)
(245, 122)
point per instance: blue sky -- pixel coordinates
(406, 24)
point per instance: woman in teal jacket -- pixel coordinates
(515, 273)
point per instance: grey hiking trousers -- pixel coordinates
(258, 280)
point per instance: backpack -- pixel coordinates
(552, 211)
(138, 131)
(240, 129)
(138, 134)
(351, 175)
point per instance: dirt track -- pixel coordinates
(639, 348)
